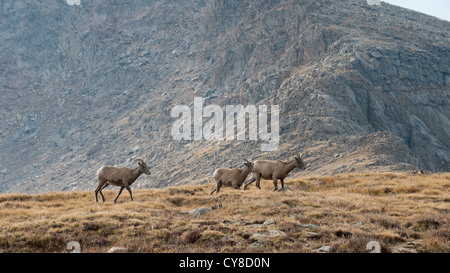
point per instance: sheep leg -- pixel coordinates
(258, 180)
(275, 184)
(120, 191)
(219, 184)
(129, 190)
(249, 182)
(96, 193)
(282, 183)
(213, 190)
(99, 188)
(101, 193)
(284, 188)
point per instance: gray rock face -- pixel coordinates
(199, 211)
(117, 249)
(268, 235)
(93, 84)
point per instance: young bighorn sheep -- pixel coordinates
(267, 169)
(231, 177)
(119, 176)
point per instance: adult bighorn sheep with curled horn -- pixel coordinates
(122, 177)
(268, 169)
(231, 177)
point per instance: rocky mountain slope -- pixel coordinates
(360, 87)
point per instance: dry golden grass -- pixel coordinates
(402, 212)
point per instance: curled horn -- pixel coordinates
(140, 161)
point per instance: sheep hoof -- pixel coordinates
(286, 188)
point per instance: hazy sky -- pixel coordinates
(438, 8)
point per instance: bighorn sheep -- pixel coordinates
(231, 177)
(274, 170)
(119, 176)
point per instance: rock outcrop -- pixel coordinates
(94, 84)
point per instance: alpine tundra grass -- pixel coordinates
(402, 212)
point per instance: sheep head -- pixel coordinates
(299, 161)
(143, 166)
(249, 165)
